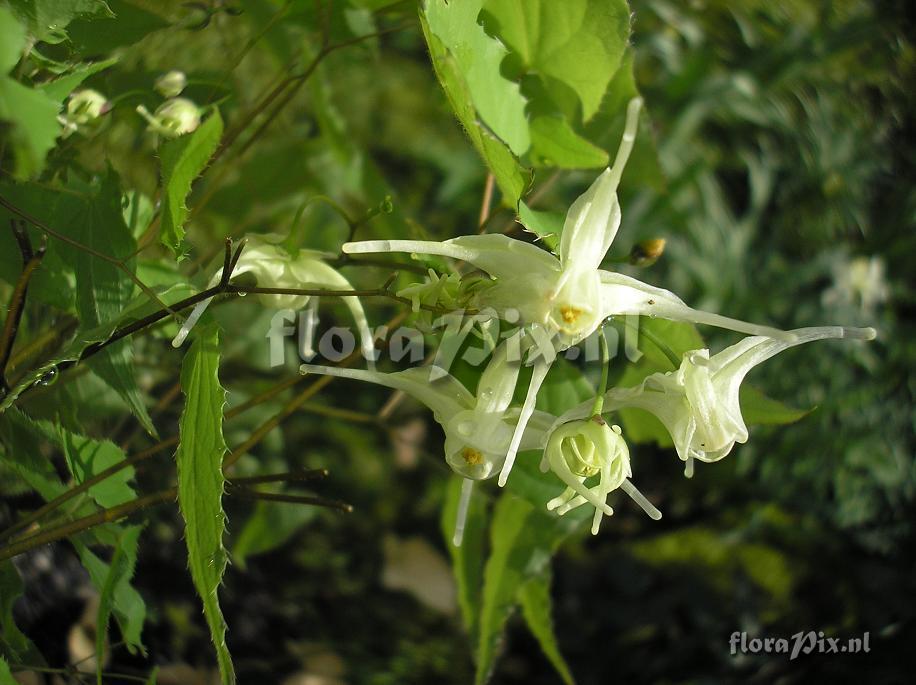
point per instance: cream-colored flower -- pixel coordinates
(581, 449)
(173, 118)
(564, 297)
(272, 266)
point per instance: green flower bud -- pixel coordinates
(171, 84)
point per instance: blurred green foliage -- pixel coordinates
(779, 171)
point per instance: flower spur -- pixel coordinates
(478, 428)
(565, 297)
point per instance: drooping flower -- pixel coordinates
(171, 83)
(580, 449)
(478, 428)
(173, 118)
(83, 107)
(564, 297)
(273, 267)
(699, 402)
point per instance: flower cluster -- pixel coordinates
(177, 115)
(559, 300)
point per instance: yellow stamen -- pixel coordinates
(471, 456)
(570, 313)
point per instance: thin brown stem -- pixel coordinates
(114, 261)
(30, 261)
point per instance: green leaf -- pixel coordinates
(269, 526)
(96, 220)
(510, 176)
(6, 677)
(12, 40)
(758, 409)
(87, 457)
(127, 604)
(555, 144)
(477, 56)
(183, 160)
(60, 88)
(14, 645)
(32, 117)
(18, 433)
(126, 26)
(201, 482)
(534, 597)
(47, 19)
(501, 580)
(546, 225)
(467, 560)
(119, 572)
(575, 44)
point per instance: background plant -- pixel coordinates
(776, 169)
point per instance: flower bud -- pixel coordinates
(171, 84)
(647, 252)
(86, 105)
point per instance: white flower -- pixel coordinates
(699, 402)
(578, 450)
(173, 118)
(860, 281)
(477, 429)
(565, 297)
(273, 267)
(83, 107)
(171, 84)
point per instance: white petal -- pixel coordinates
(498, 255)
(625, 295)
(641, 500)
(593, 219)
(539, 371)
(192, 319)
(445, 396)
(497, 382)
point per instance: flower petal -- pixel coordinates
(625, 295)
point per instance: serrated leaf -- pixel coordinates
(119, 573)
(60, 88)
(183, 160)
(467, 560)
(103, 290)
(575, 44)
(201, 482)
(498, 101)
(758, 409)
(14, 645)
(127, 604)
(510, 176)
(522, 541)
(18, 432)
(87, 457)
(537, 609)
(545, 225)
(47, 19)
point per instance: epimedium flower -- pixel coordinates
(699, 402)
(564, 298)
(580, 449)
(478, 428)
(273, 266)
(83, 108)
(173, 118)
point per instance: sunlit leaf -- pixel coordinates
(183, 160)
(201, 482)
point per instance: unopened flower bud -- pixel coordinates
(83, 107)
(171, 84)
(647, 252)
